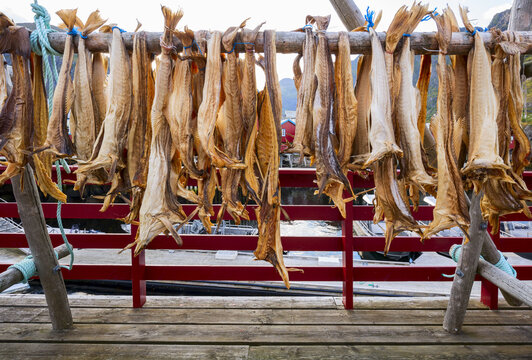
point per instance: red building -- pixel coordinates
(288, 130)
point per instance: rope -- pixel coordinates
(427, 17)
(369, 18)
(116, 27)
(502, 264)
(239, 43)
(26, 267)
(41, 46)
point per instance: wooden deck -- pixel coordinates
(260, 328)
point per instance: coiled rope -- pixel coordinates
(502, 264)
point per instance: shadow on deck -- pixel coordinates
(260, 328)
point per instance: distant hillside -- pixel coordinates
(500, 20)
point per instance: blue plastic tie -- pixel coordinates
(199, 49)
(239, 43)
(73, 32)
(427, 17)
(407, 35)
(308, 26)
(83, 36)
(369, 18)
(116, 27)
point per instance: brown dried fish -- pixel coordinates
(423, 87)
(361, 146)
(16, 116)
(160, 208)
(451, 207)
(303, 143)
(99, 79)
(108, 149)
(483, 150)
(57, 139)
(84, 111)
(139, 135)
(3, 82)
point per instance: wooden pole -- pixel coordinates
(13, 276)
(349, 13)
(520, 16)
(291, 42)
(519, 290)
(31, 214)
(466, 269)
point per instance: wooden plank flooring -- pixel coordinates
(260, 328)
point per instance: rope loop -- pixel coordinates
(427, 17)
(116, 27)
(240, 43)
(26, 267)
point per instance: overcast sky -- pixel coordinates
(281, 15)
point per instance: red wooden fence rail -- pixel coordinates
(138, 272)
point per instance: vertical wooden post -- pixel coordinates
(138, 282)
(31, 214)
(489, 294)
(347, 255)
(466, 269)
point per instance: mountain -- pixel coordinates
(500, 20)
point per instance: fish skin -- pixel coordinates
(107, 154)
(361, 146)
(269, 246)
(272, 82)
(16, 116)
(381, 134)
(423, 87)
(346, 117)
(57, 139)
(139, 133)
(483, 158)
(303, 136)
(3, 82)
(451, 206)
(84, 110)
(160, 208)
(99, 76)
(406, 114)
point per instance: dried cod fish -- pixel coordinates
(42, 162)
(98, 82)
(451, 206)
(361, 146)
(268, 213)
(84, 111)
(345, 108)
(306, 91)
(3, 82)
(483, 158)
(108, 149)
(407, 108)
(139, 134)
(16, 116)
(160, 208)
(57, 140)
(423, 87)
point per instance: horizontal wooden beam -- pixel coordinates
(292, 42)
(518, 289)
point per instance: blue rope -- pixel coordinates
(369, 18)
(199, 49)
(427, 17)
(83, 36)
(308, 26)
(239, 43)
(478, 28)
(502, 264)
(116, 27)
(41, 46)
(73, 32)
(26, 267)
(407, 35)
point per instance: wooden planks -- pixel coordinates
(259, 334)
(264, 316)
(397, 352)
(118, 351)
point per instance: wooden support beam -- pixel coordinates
(520, 16)
(519, 290)
(291, 42)
(349, 13)
(466, 269)
(13, 276)
(31, 214)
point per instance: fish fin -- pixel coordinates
(166, 222)
(69, 17)
(139, 25)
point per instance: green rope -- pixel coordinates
(26, 267)
(502, 264)
(41, 46)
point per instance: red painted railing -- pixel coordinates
(138, 272)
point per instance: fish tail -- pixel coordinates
(171, 18)
(68, 16)
(94, 21)
(46, 184)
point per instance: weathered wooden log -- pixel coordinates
(466, 269)
(13, 276)
(516, 289)
(291, 42)
(520, 16)
(348, 13)
(31, 214)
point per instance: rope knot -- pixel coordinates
(369, 18)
